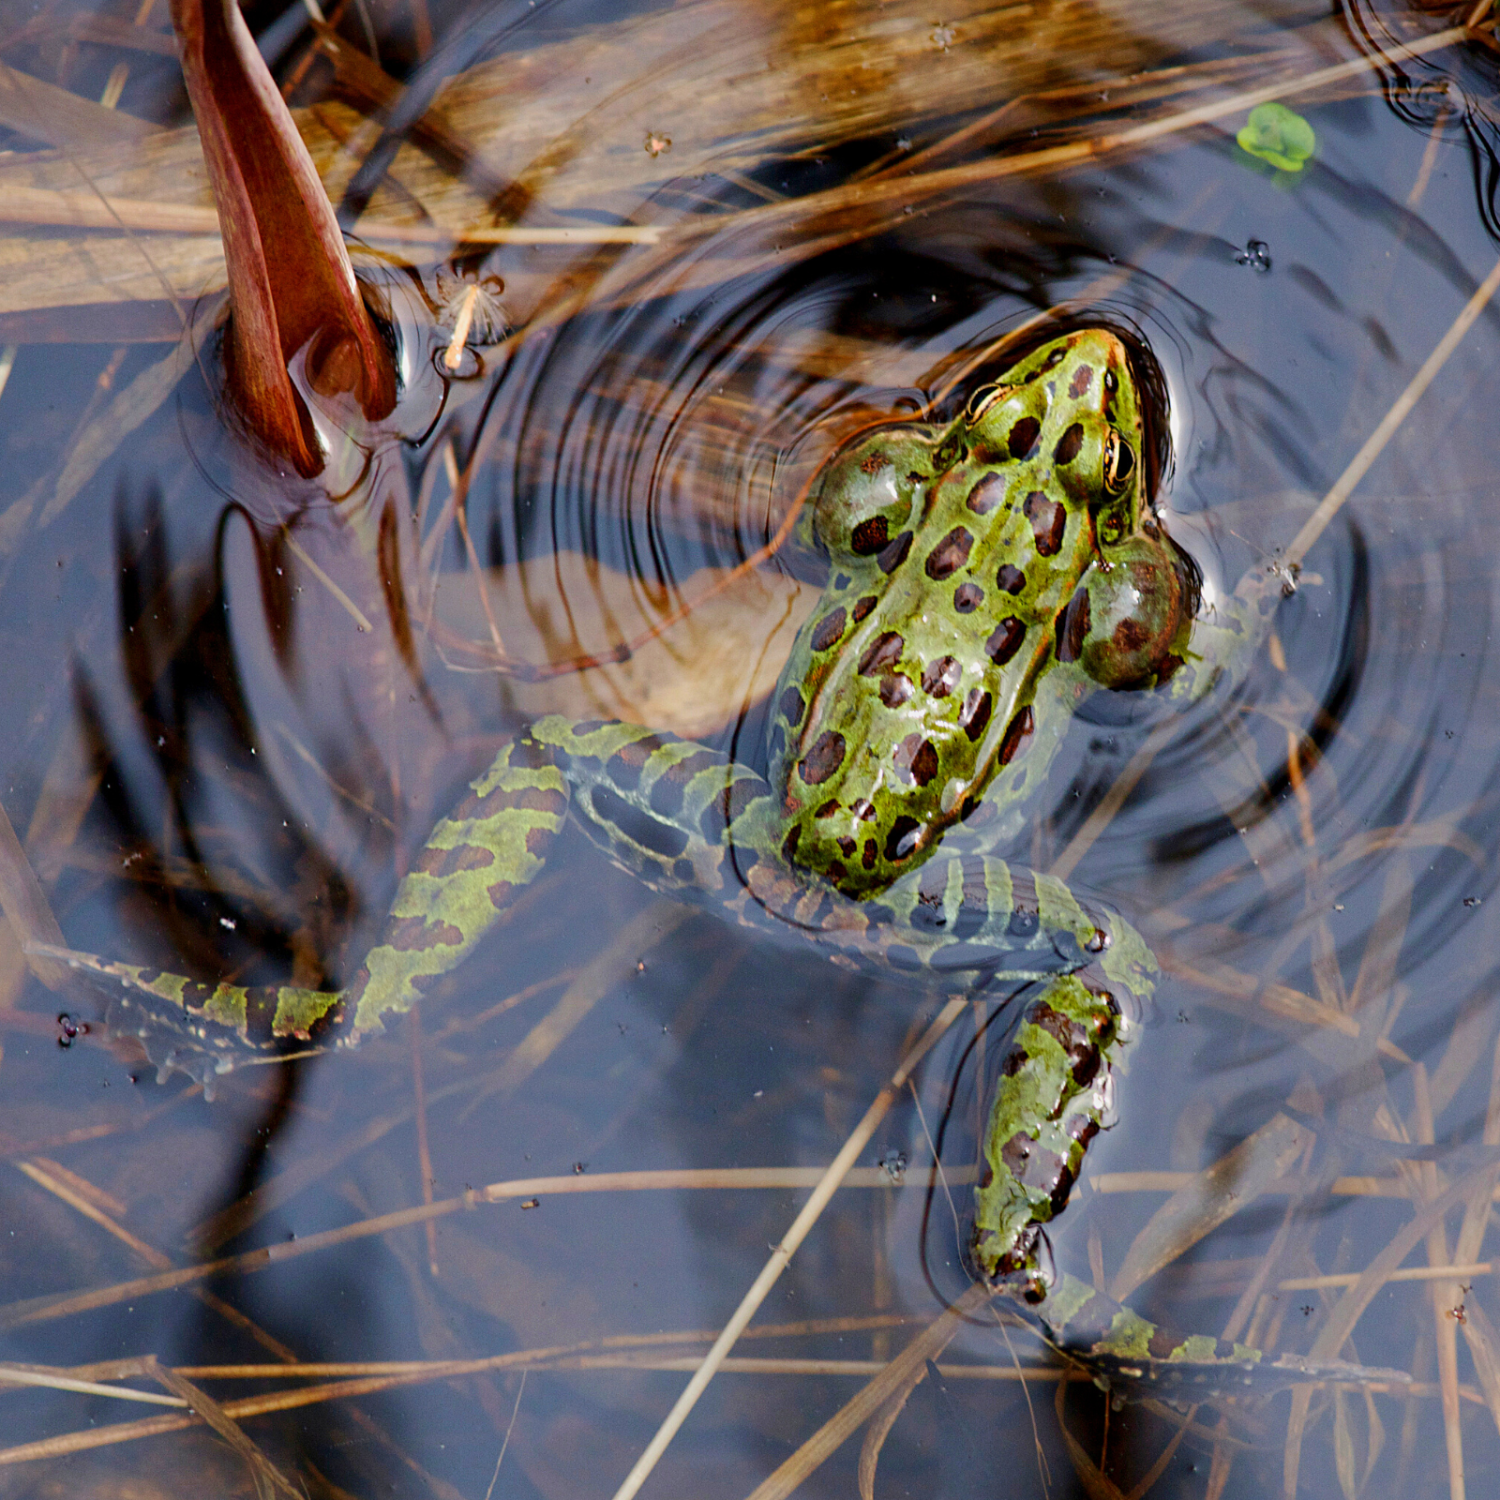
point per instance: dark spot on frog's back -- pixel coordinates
(895, 689)
(940, 677)
(828, 630)
(260, 1014)
(1005, 640)
(1022, 440)
(1083, 378)
(903, 838)
(1017, 735)
(1048, 522)
(790, 705)
(825, 757)
(624, 767)
(916, 759)
(870, 536)
(950, 554)
(883, 652)
(1010, 579)
(976, 713)
(967, 597)
(1069, 445)
(195, 993)
(986, 495)
(862, 607)
(895, 554)
(1073, 626)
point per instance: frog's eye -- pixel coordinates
(1119, 463)
(983, 399)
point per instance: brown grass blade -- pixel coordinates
(1445, 1293)
(1351, 1306)
(879, 1429)
(57, 117)
(1211, 1197)
(1385, 430)
(46, 1309)
(838, 1169)
(267, 1475)
(58, 1380)
(897, 1375)
(26, 908)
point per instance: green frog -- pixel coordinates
(985, 577)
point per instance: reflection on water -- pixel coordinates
(238, 708)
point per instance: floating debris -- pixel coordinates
(1256, 255)
(1278, 135)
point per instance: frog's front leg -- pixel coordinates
(477, 858)
(1226, 635)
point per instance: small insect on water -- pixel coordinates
(470, 308)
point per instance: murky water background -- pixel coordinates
(219, 764)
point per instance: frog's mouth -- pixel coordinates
(291, 284)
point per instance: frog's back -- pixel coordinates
(970, 569)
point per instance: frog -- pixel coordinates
(985, 577)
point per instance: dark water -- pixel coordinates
(220, 765)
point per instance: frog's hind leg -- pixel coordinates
(974, 918)
(204, 1030)
(473, 865)
(1054, 1092)
(686, 820)
(1122, 1347)
(469, 871)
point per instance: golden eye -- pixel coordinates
(1119, 463)
(983, 399)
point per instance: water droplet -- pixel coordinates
(1256, 255)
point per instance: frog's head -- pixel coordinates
(969, 565)
(1096, 457)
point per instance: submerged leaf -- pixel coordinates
(291, 284)
(1278, 135)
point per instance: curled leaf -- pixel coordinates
(1277, 135)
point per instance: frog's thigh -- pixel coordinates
(492, 845)
(672, 811)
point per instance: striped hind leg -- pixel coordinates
(477, 858)
(976, 919)
(1054, 1093)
